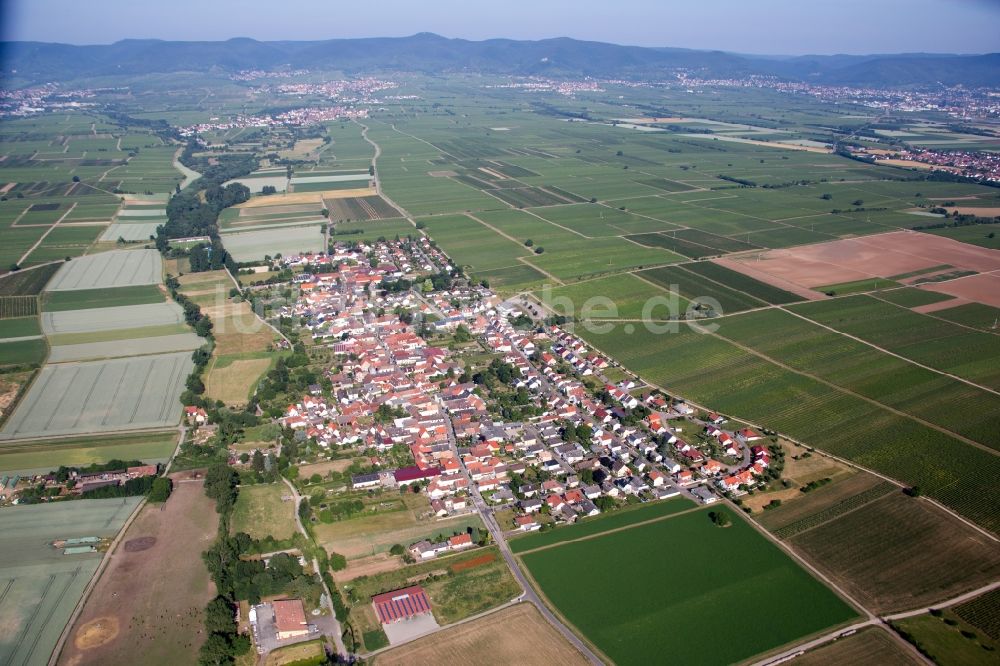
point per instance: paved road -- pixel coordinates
(529, 593)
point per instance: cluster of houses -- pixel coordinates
(394, 391)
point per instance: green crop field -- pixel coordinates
(80, 299)
(43, 455)
(702, 289)
(697, 573)
(939, 344)
(622, 296)
(19, 327)
(975, 315)
(601, 523)
(31, 352)
(471, 243)
(922, 393)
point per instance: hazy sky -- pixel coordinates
(745, 26)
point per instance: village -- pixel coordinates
(483, 407)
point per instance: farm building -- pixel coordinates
(289, 619)
(401, 604)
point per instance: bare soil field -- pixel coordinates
(869, 647)
(150, 599)
(983, 288)
(853, 259)
(297, 198)
(368, 566)
(941, 305)
(323, 468)
(899, 553)
(749, 266)
(516, 635)
(973, 210)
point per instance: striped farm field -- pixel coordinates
(622, 296)
(18, 306)
(102, 396)
(939, 344)
(698, 288)
(961, 408)
(713, 371)
(744, 283)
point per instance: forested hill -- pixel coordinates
(35, 62)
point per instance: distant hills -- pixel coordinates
(35, 62)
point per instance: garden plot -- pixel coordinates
(102, 396)
(118, 268)
(113, 318)
(130, 232)
(254, 245)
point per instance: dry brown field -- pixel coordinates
(368, 566)
(324, 468)
(900, 553)
(982, 288)
(297, 198)
(972, 210)
(151, 597)
(848, 260)
(869, 647)
(517, 635)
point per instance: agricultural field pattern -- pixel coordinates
(694, 361)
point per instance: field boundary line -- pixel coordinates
(613, 530)
(47, 232)
(890, 353)
(874, 294)
(851, 392)
(64, 636)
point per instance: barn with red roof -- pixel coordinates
(401, 604)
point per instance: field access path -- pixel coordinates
(378, 178)
(337, 635)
